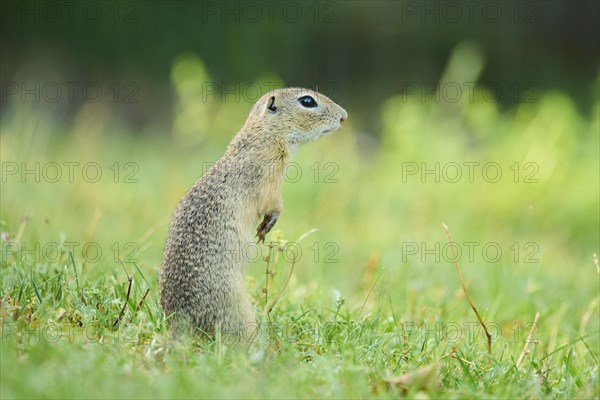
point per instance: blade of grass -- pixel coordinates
(588, 347)
(368, 294)
(37, 292)
(74, 269)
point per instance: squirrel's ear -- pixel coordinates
(271, 104)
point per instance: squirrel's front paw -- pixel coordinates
(266, 225)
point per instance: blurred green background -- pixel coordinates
(484, 116)
(425, 83)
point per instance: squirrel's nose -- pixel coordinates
(344, 115)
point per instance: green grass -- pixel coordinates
(374, 293)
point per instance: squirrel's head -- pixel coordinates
(300, 115)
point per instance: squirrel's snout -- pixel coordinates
(344, 116)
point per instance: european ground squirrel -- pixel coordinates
(202, 277)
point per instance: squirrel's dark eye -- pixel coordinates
(307, 102)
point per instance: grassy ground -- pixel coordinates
(373, 294)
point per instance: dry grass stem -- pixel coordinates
(464, 287)
(525, 351)
(269, 306)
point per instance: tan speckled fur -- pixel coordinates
(202, 277)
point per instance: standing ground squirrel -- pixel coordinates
(202, 278)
